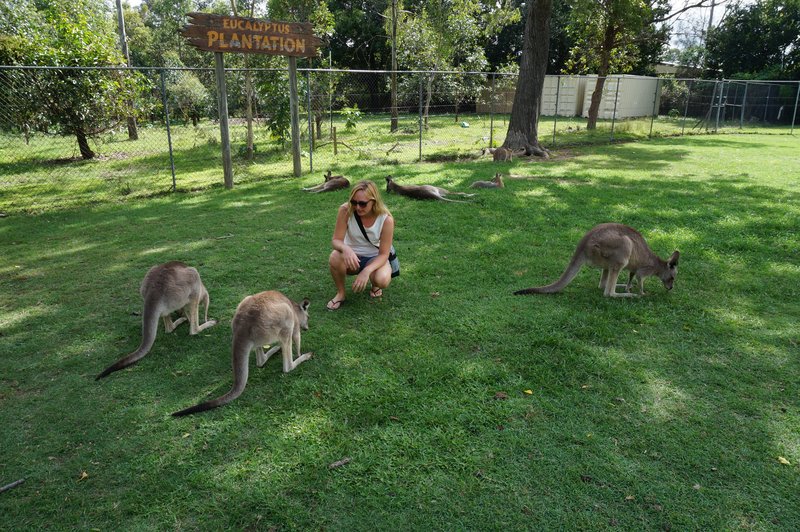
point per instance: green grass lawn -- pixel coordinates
(664, 412)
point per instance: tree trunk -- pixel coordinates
(83, 145)
(594, 106)
(523, 127)
(318, 118)
(602, 74)
(133, 132)
(429, 91)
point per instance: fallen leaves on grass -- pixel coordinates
(501, 396)
(784, 461)
(84, 476)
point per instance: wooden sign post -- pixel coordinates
(221, 34)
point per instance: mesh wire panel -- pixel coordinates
(346, 118)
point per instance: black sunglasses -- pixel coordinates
(361, 204)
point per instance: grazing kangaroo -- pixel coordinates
(259, 320)
(614, 247)
(331, 183)
(496, 182)
(423, 192)
(165, 289)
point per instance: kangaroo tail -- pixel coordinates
(150, 315)
(569, 274)
(240, 358)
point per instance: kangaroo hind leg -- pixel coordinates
(611, 283)
(193, 310)
(170, 325)
(261, 357)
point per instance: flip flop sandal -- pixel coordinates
(334, 304)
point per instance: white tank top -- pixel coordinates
(355, 238)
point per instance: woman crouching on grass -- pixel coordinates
(361, 249)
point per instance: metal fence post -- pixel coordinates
(555, 113)
(744, 101)
(310, 125)
(491, 111)
(614, 116)
(420, 116)
(766, 104)
(794, 116)
(655, 108)
(169, 134)
(686, 107)
(719, 105)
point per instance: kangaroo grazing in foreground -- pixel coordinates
(259, 320)
(331, 183)
(165, 289)
(612, 248)
(423, 192)
(496, 182)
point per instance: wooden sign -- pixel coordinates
(219, 33)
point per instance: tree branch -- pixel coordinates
(684, 9)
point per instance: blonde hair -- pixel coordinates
(372, 192)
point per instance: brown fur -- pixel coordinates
(502, 154)
(165, 289)
(331, 183)
(259, 320)
(612, 248)
(496, 182)
(422, 192)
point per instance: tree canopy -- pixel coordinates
(66, 33)
(758, 41)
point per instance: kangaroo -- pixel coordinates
(496, 182)
(502, 154)
(331, 183)
(612, 248)
(423, 192)
(260, 319)
(165, 289)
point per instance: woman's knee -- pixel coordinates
(336, 259)
(382, 276)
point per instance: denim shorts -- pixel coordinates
(363, 261)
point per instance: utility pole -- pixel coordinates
(394, 67)
(133, 133)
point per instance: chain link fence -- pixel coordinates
(346, 117)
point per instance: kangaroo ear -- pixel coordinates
(304, 305)
(673, 260)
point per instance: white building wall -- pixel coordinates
(636, 97)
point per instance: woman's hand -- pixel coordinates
(350, 258)
(361, 281)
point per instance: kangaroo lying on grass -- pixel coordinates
(331, 183)
(259, 320)
(423, 192)
(612, 248)
(165, 289)
(496, 182)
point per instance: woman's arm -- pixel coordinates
(337, 242)
(387, 234)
